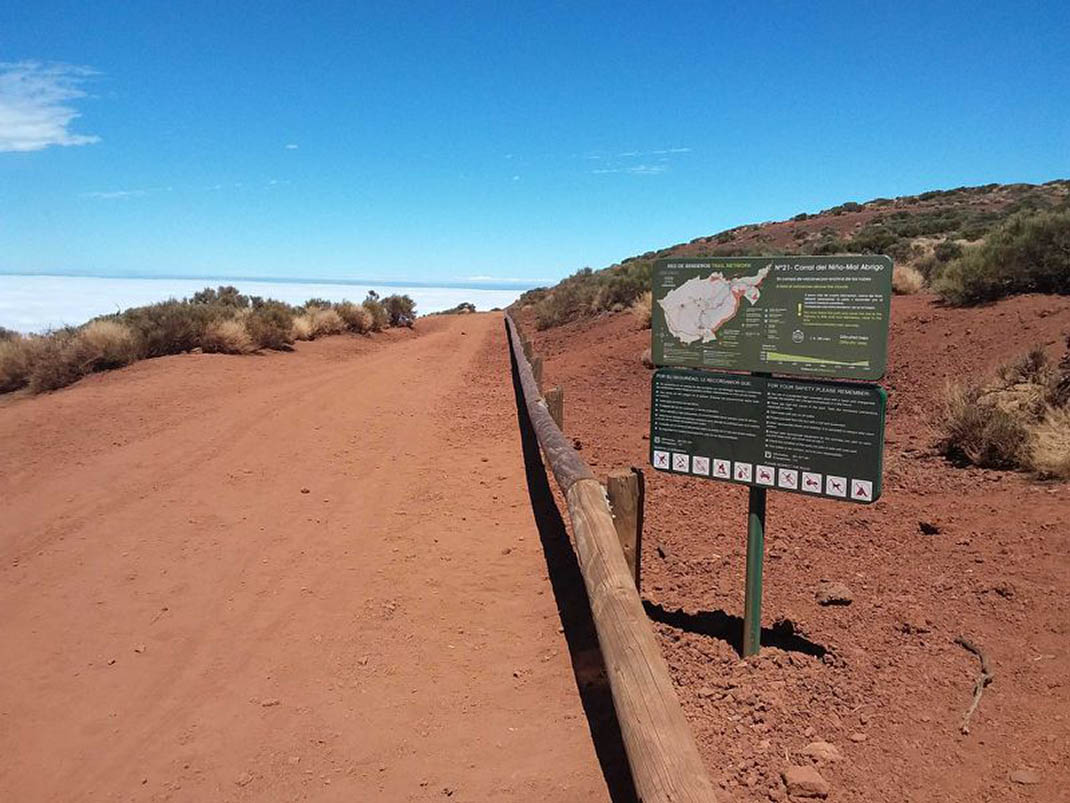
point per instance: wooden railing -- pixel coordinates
(661, 749)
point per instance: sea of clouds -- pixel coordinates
(38, 303)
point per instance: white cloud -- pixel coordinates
(34, 108)
(112, 195)
(291, 147)
(635, 170)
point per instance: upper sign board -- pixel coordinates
(818, 316)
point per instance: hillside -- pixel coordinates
(925, 232)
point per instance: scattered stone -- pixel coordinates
(706, 691)
(244, 779)
(197, 350)
(576, 444)
(823, 751)
(805, 782)
(305, 491)
(928, 528)
(269, 702)
(647, 358)
(833, 594)
(140, 648)
(111, 661)
(294, 760)
(858, 737)
(1026, 777)
(507, 550)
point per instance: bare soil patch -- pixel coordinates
(946, 552)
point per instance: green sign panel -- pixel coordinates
(825, 439)
(821, 316)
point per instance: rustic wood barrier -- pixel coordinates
(661, 748)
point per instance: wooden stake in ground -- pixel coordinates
(625, 491)
(983, 679)
(555, 403)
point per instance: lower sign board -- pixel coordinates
(820, 438)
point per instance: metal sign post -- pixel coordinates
(752, 594)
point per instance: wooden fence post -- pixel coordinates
(625, 489)
(555, 403)
(536, 371)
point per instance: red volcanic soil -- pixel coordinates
(310, 576)
(946, 553)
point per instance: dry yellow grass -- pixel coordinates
(642, 308)
(228, 337)
(325, 321)
(906, 280)
(302, 327)
(107, 344)
(16, 357)
(356, 317)
(1051, 445)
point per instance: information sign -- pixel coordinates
(810, 437)
(824, 316)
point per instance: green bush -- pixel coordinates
(1029, 253)
(171, 327)
(270, 325)
(380, 318)
(400, 310)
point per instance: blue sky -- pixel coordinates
(443, 141)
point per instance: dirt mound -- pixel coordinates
(946, 552)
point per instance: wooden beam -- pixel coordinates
(536, 371)
(555, 403)
(664, 760)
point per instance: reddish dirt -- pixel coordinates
(284, 577)
(892, 686)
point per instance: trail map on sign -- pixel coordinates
(699, 307)
(822, 316)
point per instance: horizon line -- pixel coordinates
(489, 284)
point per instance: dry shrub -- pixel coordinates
(1051, 445)
(108, 344)
(1019, 420)
(325, 321)
(907, 280)
(302, 327)
(642, 308)
(270, 326)
(977, 430)
(355, 317)
(16, 357)
(379, 316)
(228, 337)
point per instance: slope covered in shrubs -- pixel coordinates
(970, 243)
(219, 320)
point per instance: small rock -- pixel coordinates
(140, 648)
(928, 528)
(833, 594)
(506, 551)
(271, 701)
(197, 350)
(858, 737)
(305, 491)
(647, 358)
(823, 751)
(706, 691)
(805, 782)
(576, 444)
(1025, 776)
(244, 779)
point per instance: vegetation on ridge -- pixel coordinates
(971, 244)
(219, 320)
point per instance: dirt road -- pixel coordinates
(283, 577)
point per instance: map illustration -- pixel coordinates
(700, 306)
